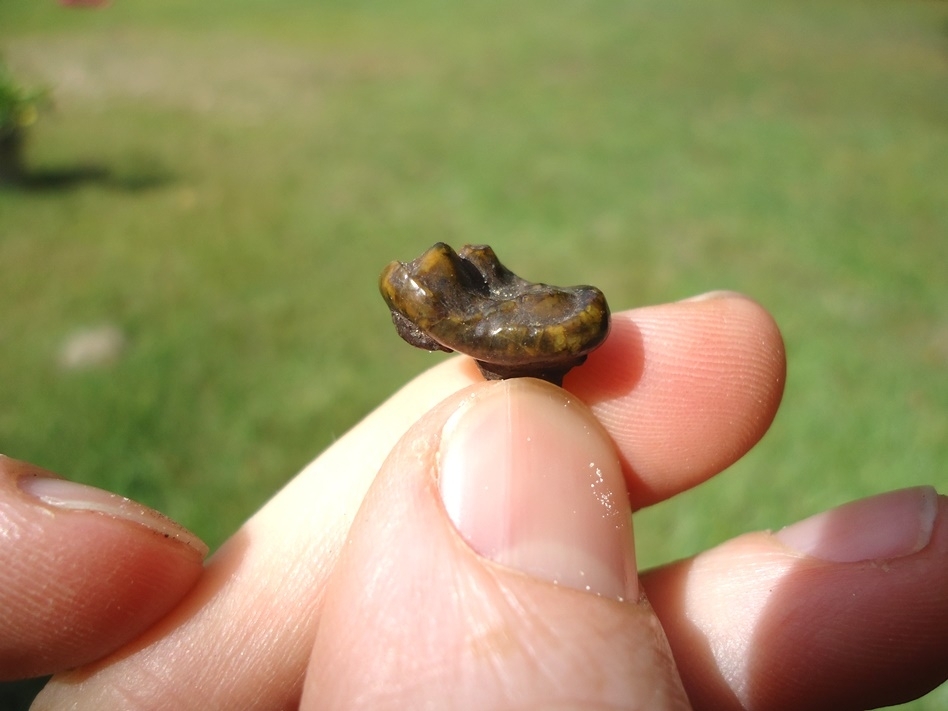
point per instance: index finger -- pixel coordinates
(685, 389)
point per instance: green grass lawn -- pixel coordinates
(223, 181)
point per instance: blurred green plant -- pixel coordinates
(20, 107)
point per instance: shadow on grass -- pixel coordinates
(73, 177)
(19, 695)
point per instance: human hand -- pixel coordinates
(392, 608)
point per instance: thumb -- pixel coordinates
(492, 566)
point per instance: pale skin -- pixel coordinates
(370, 580)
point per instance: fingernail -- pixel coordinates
(531, 481)
(712, 295)
(68, 495)
(890, 525)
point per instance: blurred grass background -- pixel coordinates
(223, 181)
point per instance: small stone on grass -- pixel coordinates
(92, 348)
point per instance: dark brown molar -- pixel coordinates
(469, 302)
